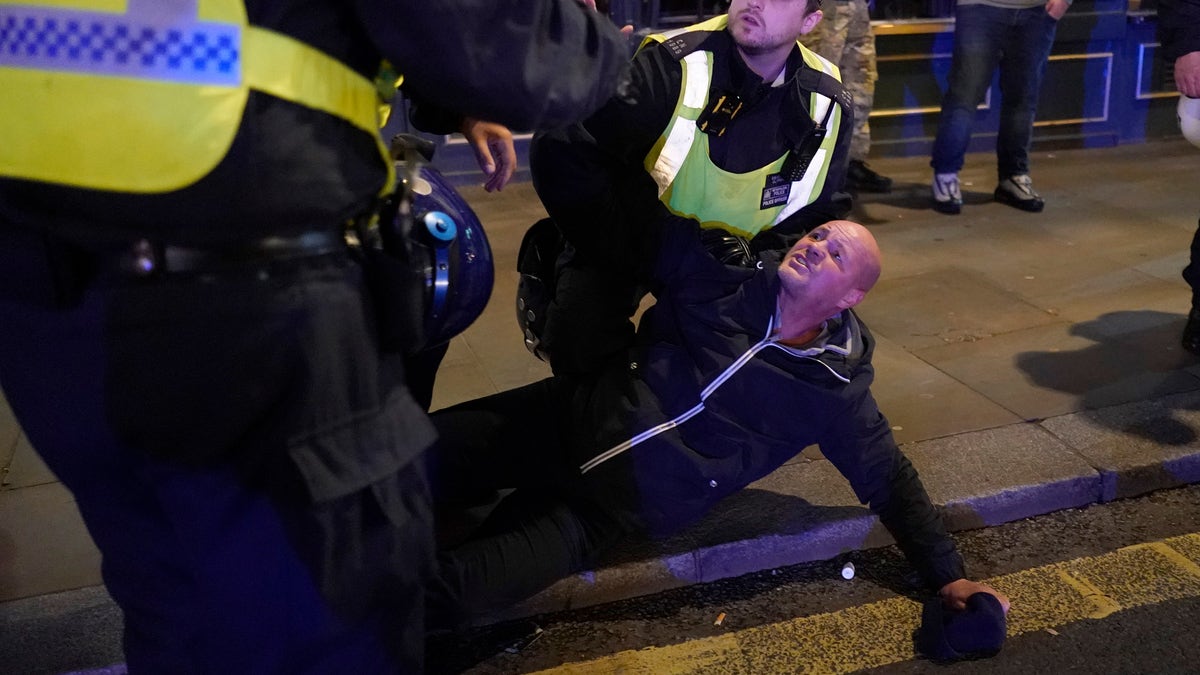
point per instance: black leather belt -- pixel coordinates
(144, 258)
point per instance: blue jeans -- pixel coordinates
(1016, 40)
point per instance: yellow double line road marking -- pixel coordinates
(880, 633)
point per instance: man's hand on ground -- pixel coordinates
(955, 594)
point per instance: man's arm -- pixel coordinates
(861, 446)
(590, 177)
(525, 65)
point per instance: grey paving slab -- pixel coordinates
(923, 402)
(9, 431)
(1136, 181)
(44, 546)
(947, 305)
(1168, 267)
(1121, 291)
(1138, 447)
(999, 475)
(1051, 370)
(27, 468)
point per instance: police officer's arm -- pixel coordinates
(859, 443)
(589, 176)
(525, 65)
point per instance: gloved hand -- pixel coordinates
(729, 249)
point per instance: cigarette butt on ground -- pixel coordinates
(720, 618)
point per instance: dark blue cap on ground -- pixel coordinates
(975, 632)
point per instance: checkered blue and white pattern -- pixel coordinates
(111, 44)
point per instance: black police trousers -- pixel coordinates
(248, 463)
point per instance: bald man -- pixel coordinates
(734, 371)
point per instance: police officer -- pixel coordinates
(730, 121)
(188, 343)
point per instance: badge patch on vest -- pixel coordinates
(775, 192)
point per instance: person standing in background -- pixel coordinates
(844, 36)
(1179, 33)
(1014, 36)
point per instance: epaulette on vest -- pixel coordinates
(686, 42)
(810, 79)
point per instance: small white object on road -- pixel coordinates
(848, 571)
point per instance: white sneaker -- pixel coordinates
(1018, 191)
(947, 198)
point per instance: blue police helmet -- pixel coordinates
(453, 253)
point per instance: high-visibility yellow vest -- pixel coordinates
(690, 185)
(145, 96)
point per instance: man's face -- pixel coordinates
(765, 25)
(832, 266)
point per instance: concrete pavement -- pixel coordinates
(1027, 363)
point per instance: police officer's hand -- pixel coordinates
(494, 151)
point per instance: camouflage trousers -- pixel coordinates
(844, 37)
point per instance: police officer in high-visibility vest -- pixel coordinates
(185, 336)
(730, 121)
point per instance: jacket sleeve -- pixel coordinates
(1178, 27)
(527, 64)
(861, 446)
(589, 176)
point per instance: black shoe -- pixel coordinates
(1018, 191)
(862, 178)
(1191, 332)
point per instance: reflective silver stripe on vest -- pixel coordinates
(683, 132)
(154, 40)
(801, 189)
(808, 181)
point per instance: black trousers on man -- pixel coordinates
(552, 524)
